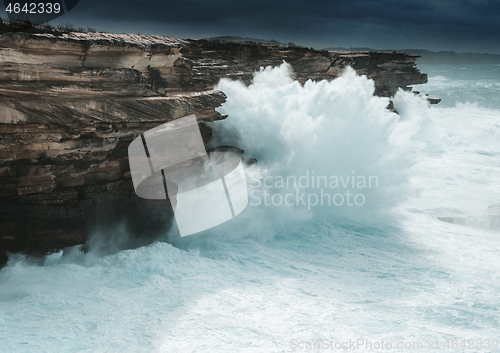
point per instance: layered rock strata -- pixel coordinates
(71, 104)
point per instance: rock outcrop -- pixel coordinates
(71, 104)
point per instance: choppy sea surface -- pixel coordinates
(418, 263)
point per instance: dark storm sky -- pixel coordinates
(459, 25)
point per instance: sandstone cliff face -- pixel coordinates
(70, 106)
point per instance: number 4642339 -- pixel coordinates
(34, 8)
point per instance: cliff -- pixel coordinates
(71, 104)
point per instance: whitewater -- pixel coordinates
(418, 262)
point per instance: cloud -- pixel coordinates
(462, 25)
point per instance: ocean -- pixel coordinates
(389, 241)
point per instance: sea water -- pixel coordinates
(416, 265)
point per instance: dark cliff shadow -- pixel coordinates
(117, 226)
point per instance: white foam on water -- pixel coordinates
(280, 274)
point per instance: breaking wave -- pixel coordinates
(397, 268)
